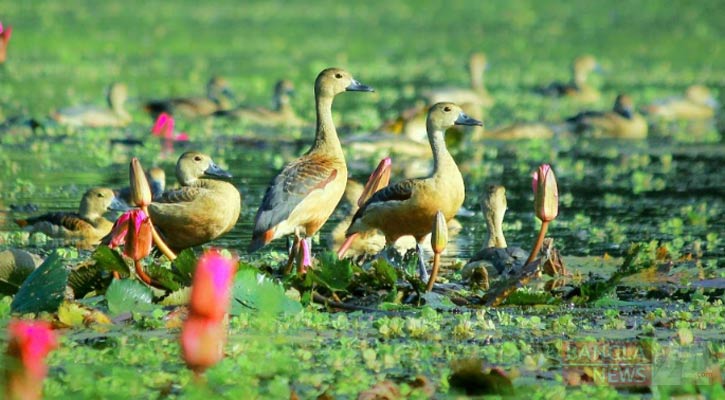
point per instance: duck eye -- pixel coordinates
(338, 75)
(197, 158)
(446, 109)
(99, 195)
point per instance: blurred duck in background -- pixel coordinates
(218, 97)
(698, 103)
(84, 228)
(115, 115)
(577, 89)
(623, 122)
(281, 114)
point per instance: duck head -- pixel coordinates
(193, 165)
(477, 63)
(218, 89)
(623, 106)
(332, 81)
(282, 92)
(583, 66)
(96, 201)
(442, 116)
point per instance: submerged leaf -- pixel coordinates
(126, 295)
(44, 289)
(254, 292)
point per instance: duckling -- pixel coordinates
(304, 195)
(85, 228)
(409, 207)
(203, 209)
(496, 257)
(156, 178)
(218, 97)
(92, 116)
(697, 104)
(5, 33)
(622, 122)
(282, 114)
(577, 89)
(476, 95)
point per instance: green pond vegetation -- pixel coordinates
(641, 225)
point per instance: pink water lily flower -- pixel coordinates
(137, 241)
(29, 342)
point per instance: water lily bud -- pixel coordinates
(212, 285)
(120, 230)
(304, 257)
(140, 189)
(202, 342)
(29, 342)
(139, 237)
(546, 193)
(439, 236)
(378, 180)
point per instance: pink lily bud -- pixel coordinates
(377, 180)
(212, 286)
(202, 342)
(304, 257)
(29, 342)
(138, 236)
(546, 193)
(140, 188)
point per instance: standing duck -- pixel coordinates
(496, 257)
(304, 195)
(84, 228)
(95, 117)
(697, 104)
(409, 207)
(577, 89)
(282, 114)
(623, 122)
(218, 97)
(476, 95)
(203, 209)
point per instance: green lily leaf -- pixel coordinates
(254, 292)
(333, 274)
(44, 289)
(111, 261)
(126, 295)
(184, 265)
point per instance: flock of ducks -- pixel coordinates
(303, 196)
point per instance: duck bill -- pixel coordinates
(229, 94)
(215, 171)
(464, 119)
(356, 86)
(118, 205)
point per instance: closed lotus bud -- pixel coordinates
(140, 189)
(304, 257)
(202, 342)
(378, 180)
(439, 236)
(29, 342)
(212, 286)
(546, 193)
(139, 238)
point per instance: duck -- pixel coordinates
(84, 228)
(476, 95)
(96, 117)
(577, 89)
(202, 209)
(5, 33)
(408, 207)
(623, 122)
(304, 194)
(282, 114)
(218, 97)
(698, 103)
(520, 130)
(156, 178)
(496, 257)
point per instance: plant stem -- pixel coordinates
(539, 242)
(157, 238)
(141, 273)
(434, 271)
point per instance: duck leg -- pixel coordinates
(293, 250)
(421, 264)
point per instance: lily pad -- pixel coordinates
(126, 295)
(254, 292)
(44, 289)
(333, 274)
(184, 265)
(111, 261)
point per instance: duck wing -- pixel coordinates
(70, 221)
(182, 195)
(288, 190)
(400, 191)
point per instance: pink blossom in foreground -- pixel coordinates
(29, 342)
(212, 285)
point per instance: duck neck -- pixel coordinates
(443, 162)
(477, 82)
(494, 221)
(326, 136)
(580, 77)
